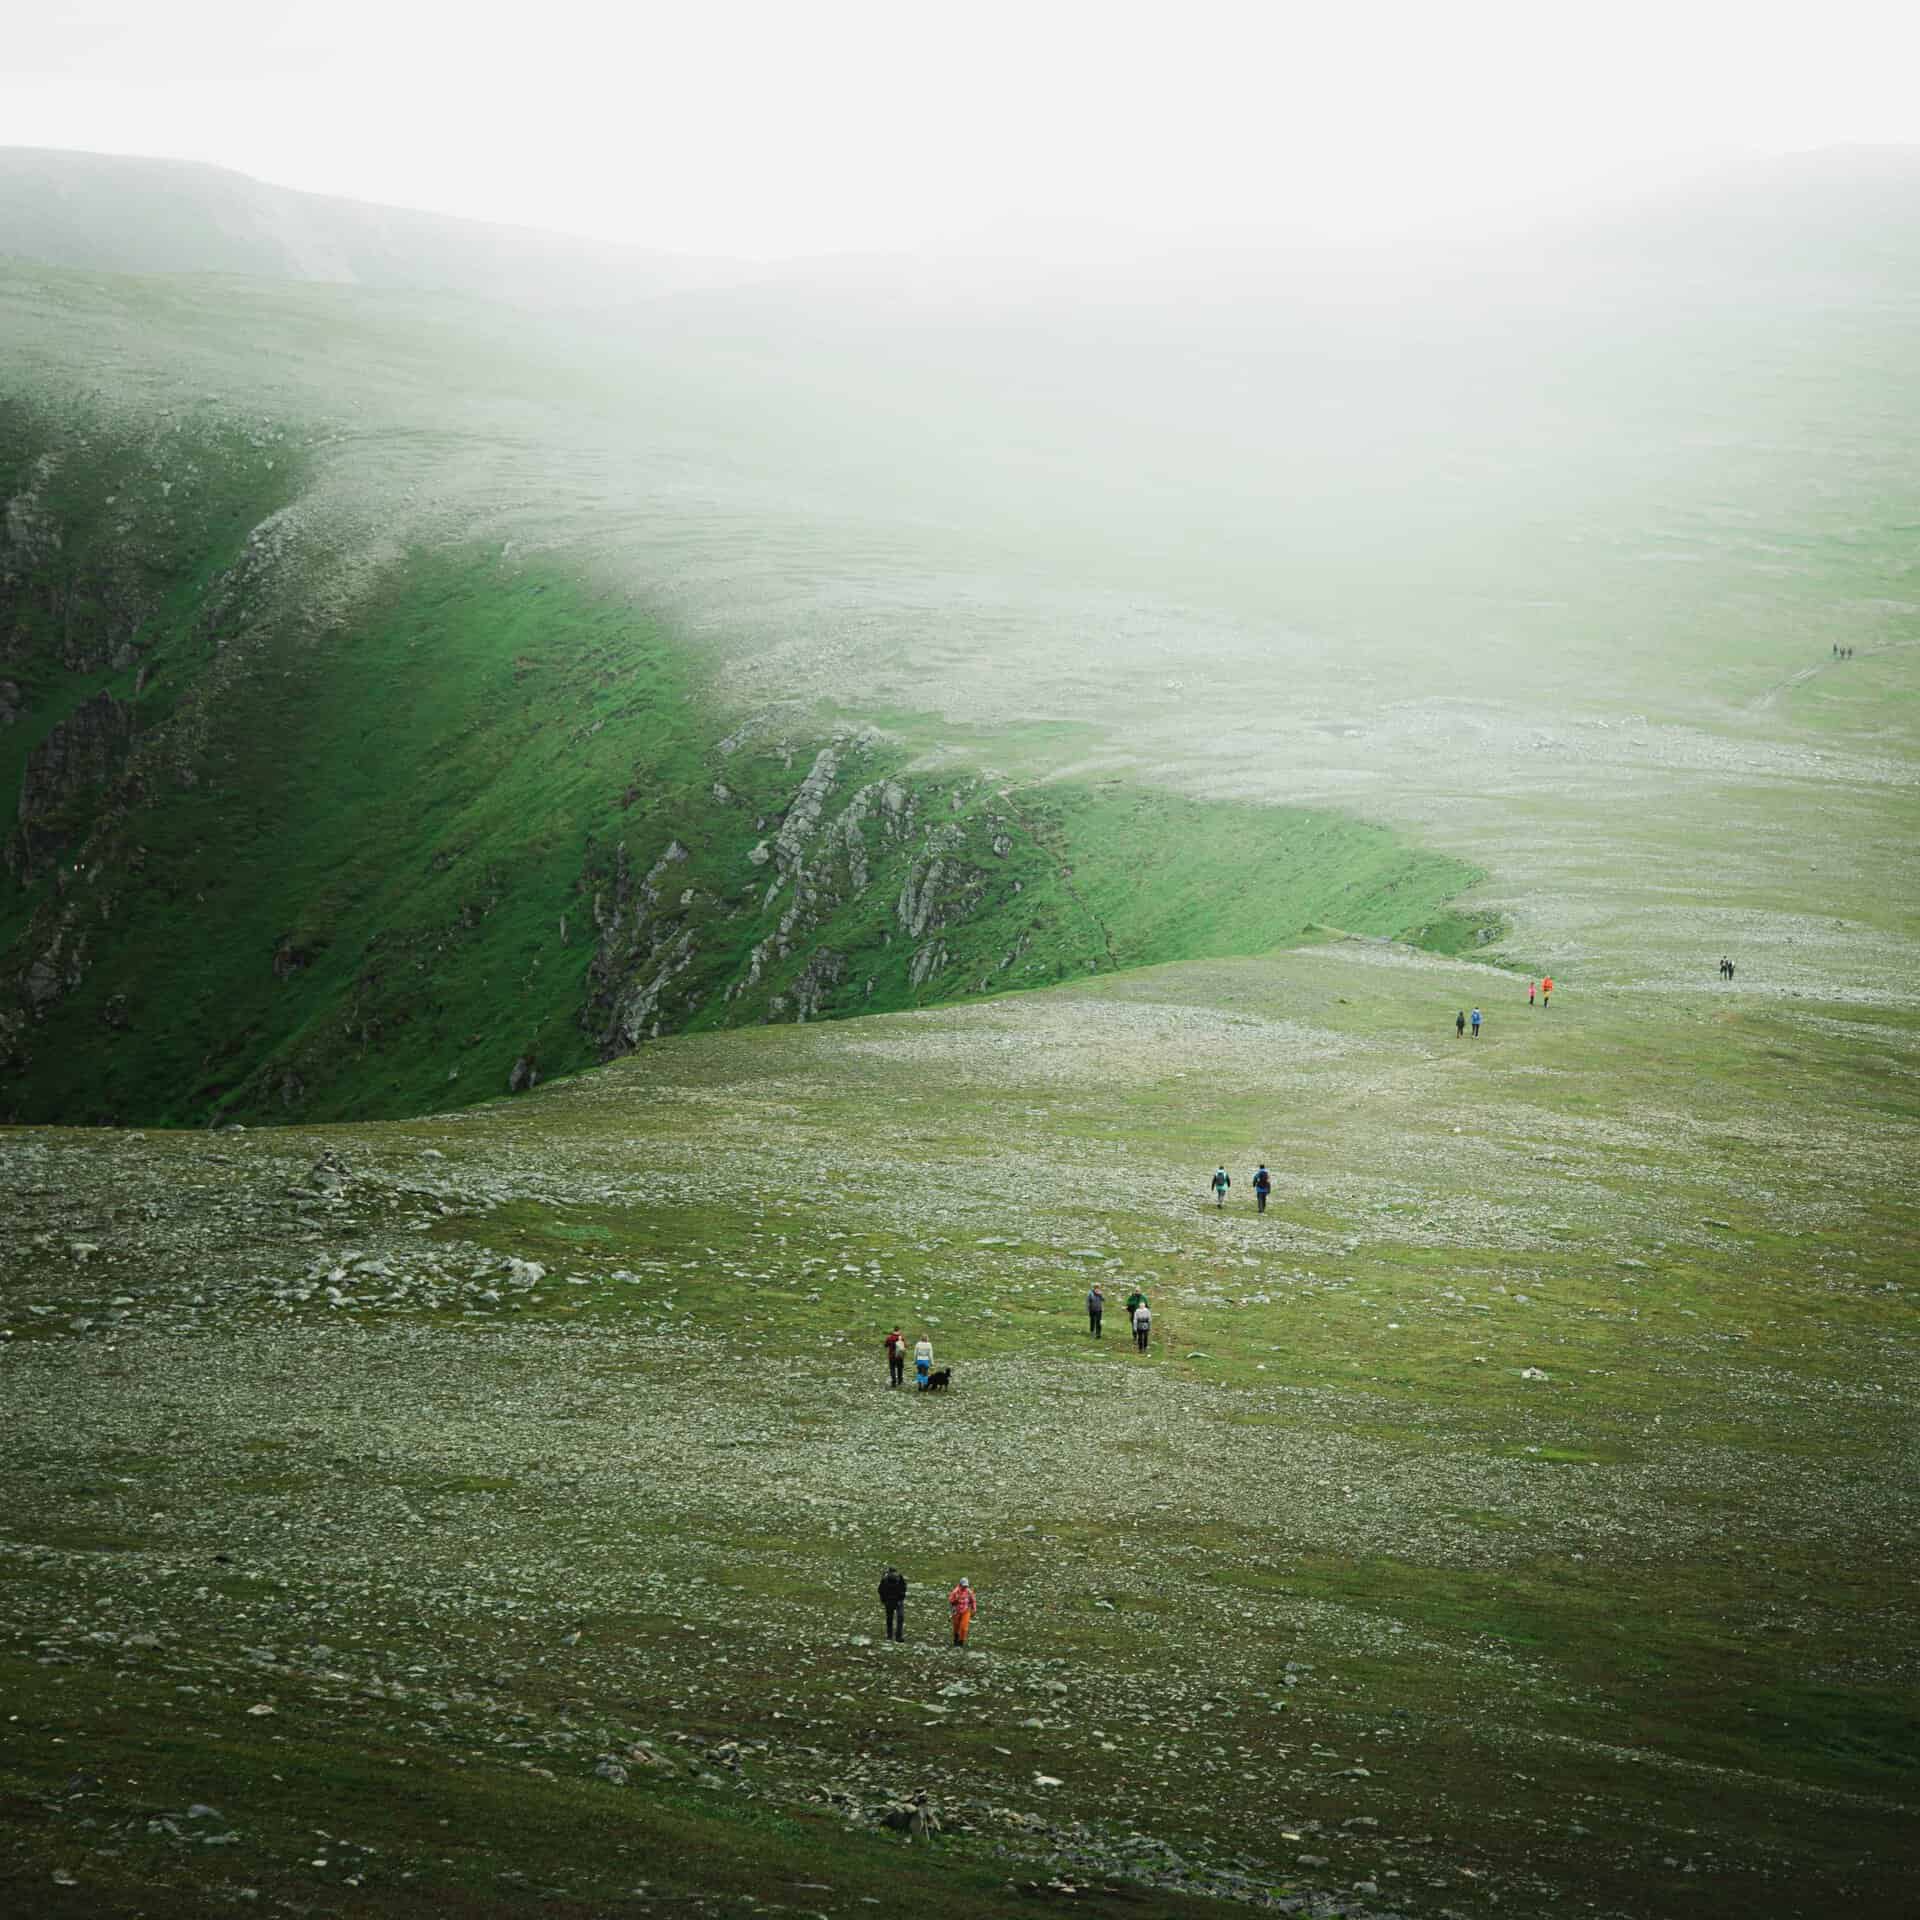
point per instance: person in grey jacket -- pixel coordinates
(1096, 1305)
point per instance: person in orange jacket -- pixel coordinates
(961, 1604)
(1546, 991)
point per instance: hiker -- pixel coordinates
(961, 1604)
(1135, 1301)
(1476, 1023)
(893, 1596)
(1729, 973)
(1546, 991)
(1262, 1186)
(1142, 1325)
(1220, 1185)
(1533, 987)
(1459, 1023)
(1096, 1306)
(896, 1358)
(922, 1361)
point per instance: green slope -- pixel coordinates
(490, 822)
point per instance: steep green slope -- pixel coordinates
(486, 823)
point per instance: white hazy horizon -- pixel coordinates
(1066, 131)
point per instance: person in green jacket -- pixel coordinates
(1221, 1182)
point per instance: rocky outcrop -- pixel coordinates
(644, 945)
(83, 754)
(844, 869)
(824, 970)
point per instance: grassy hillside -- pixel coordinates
(478, 1509)
(490, 824)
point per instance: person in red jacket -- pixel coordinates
(896, 1358)
(961, 1604)
(1546, 991)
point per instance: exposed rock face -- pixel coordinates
(926, 896)
(644, 946)
(83, 753)
(824, 970)
(12, 699)
(664, 948)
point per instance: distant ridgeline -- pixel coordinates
(268, 855)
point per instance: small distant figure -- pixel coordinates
(1730, 963)
(896, 1358)
(1726, 968)
(1096, 1306)
(1262, 1186)
(893, 1596)
(922, 1362)
(1459, 1023)
(1546, 991)
(961, 1605)
(1533, 987)
(1220, 1185)
(1476, 1023)
(1142, 1325)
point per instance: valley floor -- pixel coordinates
(483, 1513)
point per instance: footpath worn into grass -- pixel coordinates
(1517, 1513)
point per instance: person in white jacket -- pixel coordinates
(922, 1360)
(1142, 1325)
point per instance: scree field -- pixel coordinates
(484, 1514)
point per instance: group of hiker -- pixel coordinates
(896, 1344)
(962, 1604)
(1139, 1314)
(1262, 1186)
(1539, 993)
(1842, 653)
(1726, 968)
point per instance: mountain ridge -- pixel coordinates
(133, 214)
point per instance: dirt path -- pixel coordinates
(1820, 666)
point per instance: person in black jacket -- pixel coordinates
(893, 1596)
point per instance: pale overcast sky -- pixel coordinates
(765, 128)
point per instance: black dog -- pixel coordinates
(940, 1381)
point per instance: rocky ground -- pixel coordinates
(1512, 1516)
